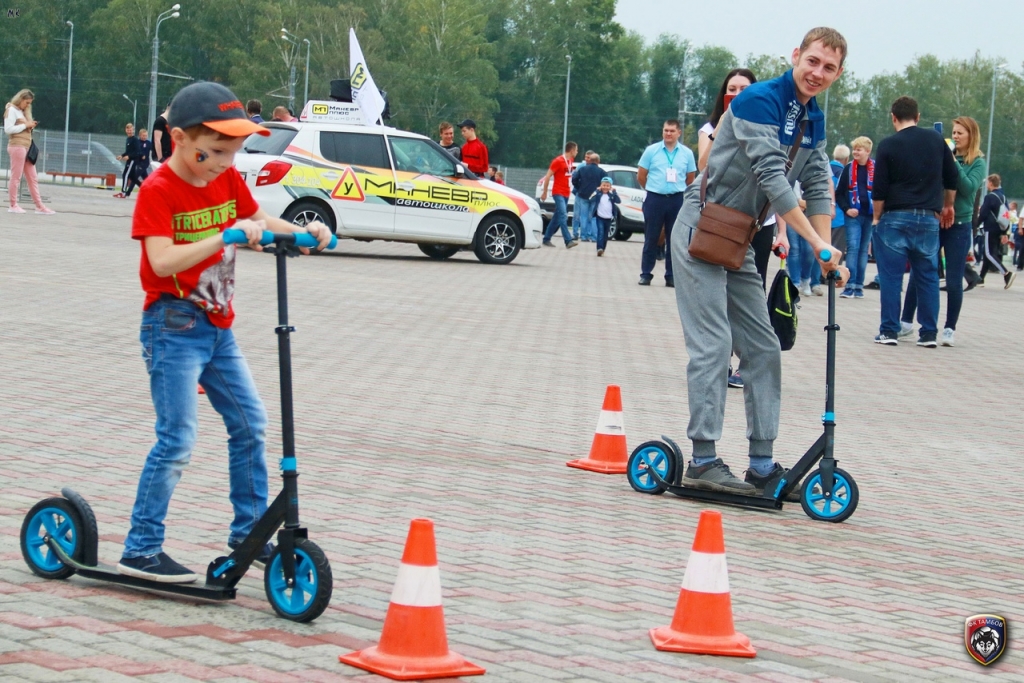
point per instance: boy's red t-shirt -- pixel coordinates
(561, 172)
(169, 207)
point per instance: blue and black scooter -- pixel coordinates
(828, 494)
(59, 535)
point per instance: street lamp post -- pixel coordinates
(991, 118)
(292, 38)
(67, 104)
(565, 116)
(135, 108)
(169, 14)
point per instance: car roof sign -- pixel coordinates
(324, 111)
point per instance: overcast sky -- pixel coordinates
(883, 35)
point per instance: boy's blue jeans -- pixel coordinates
(182, 348)
(858, 237)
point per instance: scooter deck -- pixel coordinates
(727, 498)
(103, 572)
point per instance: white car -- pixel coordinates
(379, 183)
(631, 210)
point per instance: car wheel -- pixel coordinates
(622, 236)
(498, 240)
(613, 229)
(304, 213)
(438, 251)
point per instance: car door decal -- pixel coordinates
(348, 187)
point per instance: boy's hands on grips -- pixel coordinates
(322, 234)
(253, 232)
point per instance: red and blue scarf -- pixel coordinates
(854, 189)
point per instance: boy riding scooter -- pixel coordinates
(187, 272)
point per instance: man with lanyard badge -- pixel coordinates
(665, 169)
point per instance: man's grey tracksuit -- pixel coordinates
(724, 311)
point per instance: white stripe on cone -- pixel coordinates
(706, 573)
(610, 422)
(417, 586)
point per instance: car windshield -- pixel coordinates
(421, 156)
(275, 144)
(625, 179)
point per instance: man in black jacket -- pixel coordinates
(991, 207)
(915, 184)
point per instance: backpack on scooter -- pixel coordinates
(782, 308)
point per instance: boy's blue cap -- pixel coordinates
(606, 179)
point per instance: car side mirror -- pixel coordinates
(460, 170)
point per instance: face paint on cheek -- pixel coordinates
(201, 156)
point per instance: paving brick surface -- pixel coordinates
(457, 391)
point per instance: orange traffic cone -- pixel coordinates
(702, 623)
(413, 644)
(608, 451)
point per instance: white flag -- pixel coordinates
(364, 90)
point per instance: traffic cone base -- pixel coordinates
(668, 640)
(411, 668)
(608, 451)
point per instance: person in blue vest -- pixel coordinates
(724, 310)
(854, 197)
(666, 168)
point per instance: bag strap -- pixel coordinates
(793, 150)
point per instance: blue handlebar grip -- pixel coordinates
(826, 255)
(302, 239)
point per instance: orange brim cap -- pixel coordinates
(237, 128)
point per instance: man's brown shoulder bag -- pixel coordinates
(724, 234)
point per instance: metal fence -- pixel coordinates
(523, 179)
(90, 153)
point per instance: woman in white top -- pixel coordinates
(18, 125)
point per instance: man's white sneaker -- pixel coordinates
(947, 337)
(906, 329)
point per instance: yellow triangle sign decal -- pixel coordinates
(348, 187)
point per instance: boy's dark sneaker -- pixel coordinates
(887, 339)
(645, 281)
(159, 567)
(770, 481)
(669, 282)
(927, 341)
(1008, 278)
(735, 381)
(873, 285)
(715, 476)
(261, 560)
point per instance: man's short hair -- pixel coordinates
(864, 142)
(673, 122)
(995, 180)
(595, 158)
(569, 146)
(829, 37)
(590, 153)
(841, 153)
(445, 125)
(281, 111)
(905, 109)
(254, 107)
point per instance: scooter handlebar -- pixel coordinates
(826, 255)
(300, 239)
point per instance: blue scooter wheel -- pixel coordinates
(835, 508)
(57, 518)
(647, 456)
(311, 593)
